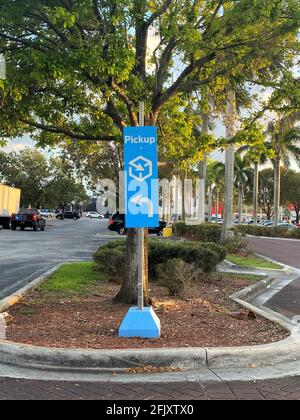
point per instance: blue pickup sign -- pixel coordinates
(141, 177)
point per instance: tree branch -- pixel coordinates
(68, 133)
(159, 13)
(160, 100)
(129, 104)
(163, 67)
(112, 112)
(25, 42)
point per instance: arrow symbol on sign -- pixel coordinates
(140, 167)
(139, 200)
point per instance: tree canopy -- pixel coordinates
(43, 182)
(77, 68)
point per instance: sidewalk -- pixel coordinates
(281, 389)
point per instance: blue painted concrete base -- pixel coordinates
(141, 323)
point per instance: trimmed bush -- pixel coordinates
(200, 254)
(110, 259)
(210, 234)
(275, 232)
(205, 256)
(202, 233)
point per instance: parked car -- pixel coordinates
(266, 223)
(117, 224)
(28, 218)
(74, 215)
(286, 225)
(47, 214)
(94, 215)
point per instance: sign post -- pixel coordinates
(141, 237)
(141, 208)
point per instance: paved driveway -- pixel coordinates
(26, 255)
(284, 251)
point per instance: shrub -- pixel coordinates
(205, 256)
(219, 249)
(206, 259)
(202, 233)
(275, 232)
(236, 245)
(178, 276)
(210, 234)
(110, 259)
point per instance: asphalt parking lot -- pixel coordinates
(26, 255)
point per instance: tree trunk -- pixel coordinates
(129, 289)
(201, 195)
(277, 191)
(209, 204)
(217, 204)
(241, 199)
(183, 198)
(176, 183)
(229, 168)
(202, 175)
(255, 193)
(297, 210)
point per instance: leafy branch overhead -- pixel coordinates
(77, 68)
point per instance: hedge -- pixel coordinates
(205, 256)
(111, 258)
(274, 232)
(202, 232)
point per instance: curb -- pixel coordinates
(101, 361)
(285, 268)
(21, 293)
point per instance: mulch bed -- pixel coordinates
(91, 320)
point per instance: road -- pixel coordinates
(285, 251)
(26, 255)
(287, 301)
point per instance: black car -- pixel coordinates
(117, 224)
(73, 215)
(28, 218)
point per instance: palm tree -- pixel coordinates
(210, 182)
(256, 155)
(285, 142)
(215, 181)
(231, 125)
(219, 185)
(242, 180)
(202, 171)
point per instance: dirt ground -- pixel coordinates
(91, 320)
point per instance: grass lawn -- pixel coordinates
(73, 277)
(82, 278)
(252, 261)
